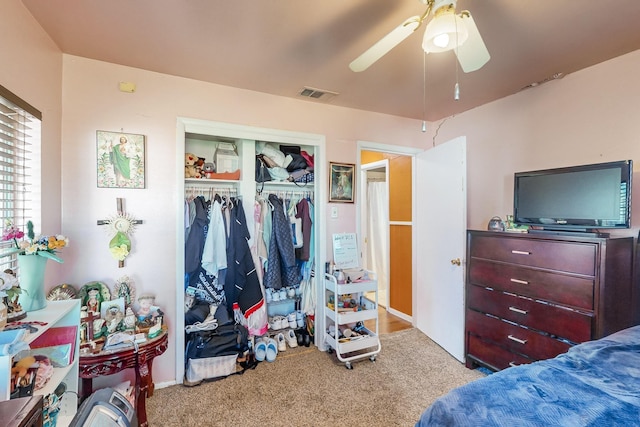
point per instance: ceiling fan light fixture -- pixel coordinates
(441, 40)
(440, 34)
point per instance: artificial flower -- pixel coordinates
(9, 286)
(45, 246)
(120, 245)
(119, 252)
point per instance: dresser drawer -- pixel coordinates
(497, 358)
(513, 337)
(561, 322)
(572, 257)
(560, 288)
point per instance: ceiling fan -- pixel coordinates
(445, 31)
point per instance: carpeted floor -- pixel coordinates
(308, 387)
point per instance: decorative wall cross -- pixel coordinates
(120, 226)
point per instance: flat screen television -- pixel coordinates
(583, 198)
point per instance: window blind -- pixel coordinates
(19, 140)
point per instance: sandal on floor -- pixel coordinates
(261, 350)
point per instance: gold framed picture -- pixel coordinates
(341, 182)
(120, 160)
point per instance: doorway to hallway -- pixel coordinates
(387, 233)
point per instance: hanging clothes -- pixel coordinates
(266, 214)
(258, 248)
(197, 234)
(214, 255)
(303, 214)
(241, 282)
(210, 286)
(281, 265)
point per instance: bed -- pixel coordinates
(596, 383)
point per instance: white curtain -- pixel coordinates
(378, 234)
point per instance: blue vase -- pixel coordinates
(31, 270)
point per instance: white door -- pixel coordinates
(440, 230)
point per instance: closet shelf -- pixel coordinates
(206, 181)
(286, 184)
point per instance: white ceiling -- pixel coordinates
(281, 46)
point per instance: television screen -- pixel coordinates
(577, 198)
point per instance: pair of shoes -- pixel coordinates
(278, 322)
(282, 345)
(291, 338)
(276, 295)
(266, 349)
(303, 337)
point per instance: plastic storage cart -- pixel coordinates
(346, 310)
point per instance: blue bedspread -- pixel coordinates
(596, 383)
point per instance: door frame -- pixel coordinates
(405, 151)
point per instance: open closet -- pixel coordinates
(233, 191)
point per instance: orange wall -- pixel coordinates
(400, 272)
(399, 182)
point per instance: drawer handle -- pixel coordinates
(517, 310)
(512, 364)
(520, 252)
(522, 282)
(518, 340)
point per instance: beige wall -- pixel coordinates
(32, 69)
(93, 102)
(587, 117)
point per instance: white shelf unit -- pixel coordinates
(201, 137)
(363, 346)
(55, 314)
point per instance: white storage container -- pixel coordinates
(281, 308)
(226, 157)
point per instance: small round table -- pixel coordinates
(109, 362)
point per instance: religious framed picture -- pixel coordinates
(120, 160)
(341, 182)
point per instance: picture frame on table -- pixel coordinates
(342, 180)
(120, 160)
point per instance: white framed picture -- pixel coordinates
(120, 160)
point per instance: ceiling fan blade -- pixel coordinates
(385, 44)
(473, 53)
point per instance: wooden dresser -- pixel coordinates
(532, 296)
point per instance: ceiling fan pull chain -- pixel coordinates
(456, 88)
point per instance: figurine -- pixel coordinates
(112, 318)
(94, 299)
(124, 289)
(129, 320)
(148, 311)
